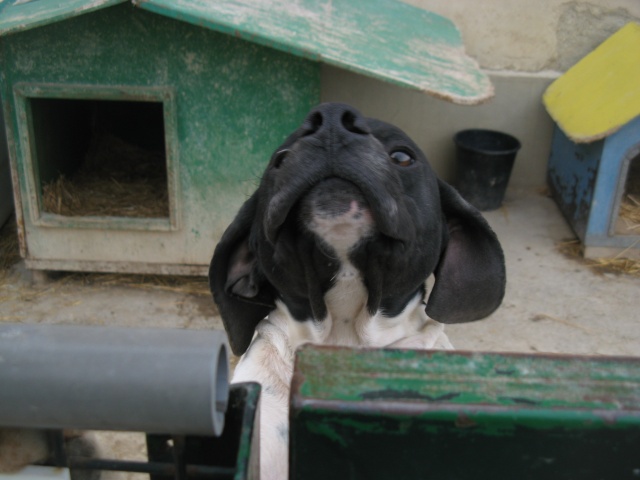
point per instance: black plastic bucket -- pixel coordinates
(484, 162)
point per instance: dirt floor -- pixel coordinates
(554, 303)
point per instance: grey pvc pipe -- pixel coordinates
(103, 378)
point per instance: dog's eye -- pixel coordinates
(402, 158)
(279, 157)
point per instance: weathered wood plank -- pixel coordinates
(380, 414)
(384, 39)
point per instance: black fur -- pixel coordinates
(422, 226)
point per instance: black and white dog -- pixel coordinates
(335, 247)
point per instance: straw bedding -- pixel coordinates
(573, 248)
(115, 179)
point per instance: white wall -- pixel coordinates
(533, 35)
(431, 123)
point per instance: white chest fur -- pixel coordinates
(270, 357)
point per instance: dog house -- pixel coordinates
(136, 131)
(594, 166)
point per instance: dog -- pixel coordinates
(335, 247)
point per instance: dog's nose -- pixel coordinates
(336, 118)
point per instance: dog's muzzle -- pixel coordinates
(337, 212)
(336, 146)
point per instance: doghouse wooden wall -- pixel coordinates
(226, 104)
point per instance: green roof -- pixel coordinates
(19, 15)
(384, 39)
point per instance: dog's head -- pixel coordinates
(345, 188)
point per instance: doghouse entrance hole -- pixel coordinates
(100, 157)
(628, 221)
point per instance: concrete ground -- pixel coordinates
(553, 303)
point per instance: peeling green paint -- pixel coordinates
(384, 39)
(472, 378)
(380, 414)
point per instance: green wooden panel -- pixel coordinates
(460, 415)
(384, 39)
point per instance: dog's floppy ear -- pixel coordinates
(470, 276)
(243, 295)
